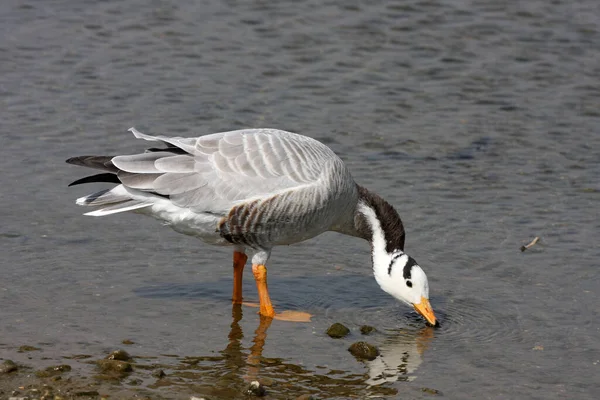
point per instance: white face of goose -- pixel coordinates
(399, 275)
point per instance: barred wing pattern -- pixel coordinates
(220, 170)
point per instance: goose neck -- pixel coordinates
(378, 222)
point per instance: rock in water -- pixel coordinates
(119, 355)
(337, 331)
(363, 351)
(367, 329)
(256, 389)
(27, 348)
(53, 371)
(8, 366)
(159, 374)
(114, 367)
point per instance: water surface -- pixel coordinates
(478, 120)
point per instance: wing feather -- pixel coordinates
(140, 163)
(138, 181)
(180, 163)
(247, 164)
(243, 165)
(118, 194)
(218, 171)
(186, 144)
(118, 208)
(221, 163)
(172, 183)
(229, 150)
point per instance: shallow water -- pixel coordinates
(478, 120)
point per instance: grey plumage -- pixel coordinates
(267, 186)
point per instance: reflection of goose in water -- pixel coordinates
(237, 365)
(235, 351)
(227, 373)
(400, 356)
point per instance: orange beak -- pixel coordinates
(424, 308)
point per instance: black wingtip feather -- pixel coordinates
(103, 163)
(108, 177)
(170, 149)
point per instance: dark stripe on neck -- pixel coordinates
(388, 217)
(394, 258)
(408, 267)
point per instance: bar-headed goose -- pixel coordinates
(254, 189)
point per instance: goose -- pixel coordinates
(254, 189)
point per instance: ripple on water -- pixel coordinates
(357, 300)
(469, 320)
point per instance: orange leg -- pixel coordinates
(239, 260)
(260, 275)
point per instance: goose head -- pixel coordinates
(399, 275)
(395, 271)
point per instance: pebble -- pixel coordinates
(159, 374)
(88, 393)
(53, 371)
(114, 366)
(120, 355)
(367, 329)
(26, 348)
(256, 389)
(363, 350)
(8, 366)
(430, 391)
(337, 331)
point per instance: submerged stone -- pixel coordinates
(53, 371)
(367, 329)
(120, 355)
(87, 393)
(114, 367)
(7, 367)
(159, 374)
(337, 331)
(78, 357)
(256, 389)
(26, 348)
(363, 351)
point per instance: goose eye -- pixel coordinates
(409, 283)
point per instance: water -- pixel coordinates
(477, 119)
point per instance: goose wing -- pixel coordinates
(212, 173)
